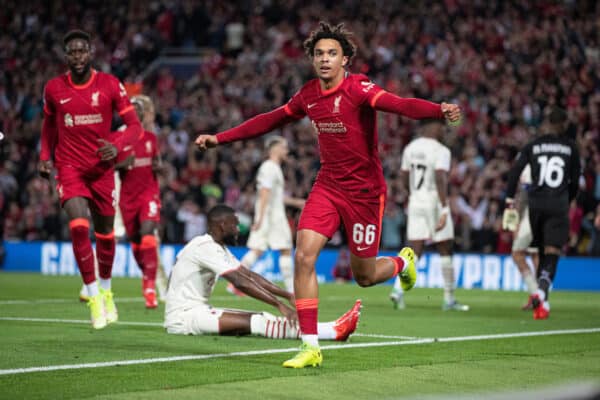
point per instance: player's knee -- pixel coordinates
(304, 259)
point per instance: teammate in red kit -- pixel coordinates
(350, 188)
(140, 197)
(76, 133)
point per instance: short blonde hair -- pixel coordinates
(273, 140)
(143, 103)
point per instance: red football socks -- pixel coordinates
(105, 251)
(82, 248)
(398, 264)
(307, 315)
(149, 257)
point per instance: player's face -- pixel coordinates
(230, 230)
(149, 115)
(282, 150)
(79, 56)
(329, 60)
(436, 130)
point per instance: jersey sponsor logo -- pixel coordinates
(362, 248)
(87, 119)
(64, 101)
(311, 105)
(95, 96)
(336, 105)
(142, 162)
(329, 127)
(68, 120)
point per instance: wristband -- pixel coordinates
(445, 210)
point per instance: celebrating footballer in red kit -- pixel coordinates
(350, 188)
(76, 134)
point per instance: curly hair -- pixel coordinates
(327, 31)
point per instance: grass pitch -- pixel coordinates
(49, 350)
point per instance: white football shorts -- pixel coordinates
(271, 235)
(422, 222)
(198, 320)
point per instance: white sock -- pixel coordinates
(105, 283)
(287, 272)
(268, 325)
(448, 275)
(249, 259)
(311, 340)
(92, 289)
(541, 294)
(530, 282)
(273, 327)
(326, 331)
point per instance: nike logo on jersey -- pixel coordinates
(360, 248)
(63, 101)
(311, 105)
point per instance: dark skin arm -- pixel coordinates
(126, 163)
(107, 151)
(441, 184)
(157, 165)
(259, 288)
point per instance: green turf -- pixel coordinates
(390, 371)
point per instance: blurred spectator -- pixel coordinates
(341, 271)
(193, 219)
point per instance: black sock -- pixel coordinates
(547, 271)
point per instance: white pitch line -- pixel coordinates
(73, 300)
(374, 335)
(123, 300)
(76, 321)
(289, 350)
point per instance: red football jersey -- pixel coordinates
(82, 114)
(139, 182)
(345, 122)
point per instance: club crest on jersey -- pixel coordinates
(95, 96)
(68, 120)
(148, 146)
(336, 105)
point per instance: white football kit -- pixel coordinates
(421, 158)
(274, 232)
(192, 281)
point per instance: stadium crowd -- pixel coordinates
(503, 62)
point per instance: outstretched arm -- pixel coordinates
(415, 108)
(254, 127)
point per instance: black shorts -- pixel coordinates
(549, 227)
